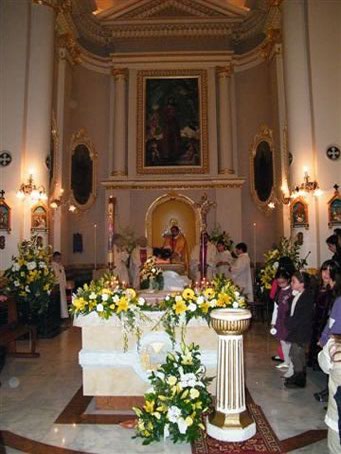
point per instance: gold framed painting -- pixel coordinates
(334, 209)
(299, 213)
(172, 136)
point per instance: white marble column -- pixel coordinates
(299, 113)
(120, 126)
(39, 99)
(225, 121)
(230, 421)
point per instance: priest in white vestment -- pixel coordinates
(121, 257)
(210, 252)
(241, 271)
(137, 259)
(224, 260)
(59, 273)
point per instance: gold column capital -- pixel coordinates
(273, 37)
(119, 73)
(225, 71)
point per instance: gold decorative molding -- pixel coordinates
(118, 173)
(174, 185)
(273, 37)
(201, 75)
(68, 42)
(225, 71)
(57, 5)
(81, 137)
(226, 172)
(119, 73)
(265, 134)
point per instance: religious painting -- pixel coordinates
(5, 214)
(262, 168)
(334, 209)
(82, 171)
(172, 122)
(299, 213)
(39, 219)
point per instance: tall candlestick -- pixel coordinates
(255, 246)
(95, 246)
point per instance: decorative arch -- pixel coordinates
(172, 206)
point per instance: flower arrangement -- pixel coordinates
(151, 275)
(286, 248)
(177, 400)
(181, 307)
(30, 278)
(107, 298)
(217, 235)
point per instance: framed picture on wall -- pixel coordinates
(334, 209)
(172, 122)
(39, 222)
(299, 213)
(5, 214)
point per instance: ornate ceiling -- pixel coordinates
(107, 26)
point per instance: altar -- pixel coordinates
(109, 371)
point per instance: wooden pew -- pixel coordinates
(14, 329)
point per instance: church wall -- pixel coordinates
(254, 99)
(324, 20)
(89, 110)
(14, 30)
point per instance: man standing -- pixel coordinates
(224, 260)
(241, 271)
(59, 272)
(137, 259)
(177, 243)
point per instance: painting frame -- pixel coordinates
(143, 99)
(39, 218)
(5, 216)
(336, 199)
(295, 221)
(264, 135)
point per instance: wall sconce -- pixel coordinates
(30, 190)
(58, 202)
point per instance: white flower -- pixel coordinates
(235, 304)
(15, 267)
(16, 283)
(178, 298)
(200, 300)
(141, 301)
(31, 266)
(153, 270)
(92, 296)
(100, 308)
(159, 374)
(188, 380)
(167, 298)
(192, 307)
(42, 265)
(213, 302)
(116, 299)
(105, 297)
(236, 294)
(182, 425)
(27, 289)
(275, 265)
(173, 413)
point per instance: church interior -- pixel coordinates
(152, 152)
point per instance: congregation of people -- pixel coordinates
(306, 321)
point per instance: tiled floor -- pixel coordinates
(35, 391)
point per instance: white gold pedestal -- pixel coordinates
(230, 420)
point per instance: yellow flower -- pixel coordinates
(189, 421)
(209, 292)
(106, 291)
(171, 380)
(149, 406)
(122, 304)
(112, 306)
(194, 393)
(180, 307)
(188, 294)
(223, 300)
(46, 287)
(205, 307)
(130, 292)
(79, 303)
